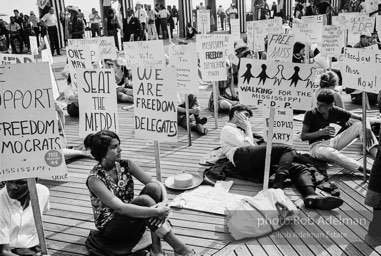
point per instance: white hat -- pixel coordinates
(170, 182)
(73, 8)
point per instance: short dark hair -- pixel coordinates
(326, 96)
(15, 10)
(239, 108)
(99, 142)
(298, 46)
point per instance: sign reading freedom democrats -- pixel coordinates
(155, 107)
(283, 125)
(361, 69)
(148, 54)
(97, 94)
(212, 53)
(30, 144)
(276, 84)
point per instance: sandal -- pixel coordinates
(193, 253)
(150, 253)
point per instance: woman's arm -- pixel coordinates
(339, 101)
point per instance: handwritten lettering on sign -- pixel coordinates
(276, 84)
(203, 21)
(97, 96)
(148, 54)
(107, 48)
(30, 144)
(361, 69)
(308, 29)
(332, 41)
(283, 125)
(356, 23)
(280, 47)
(155, 106)
(15, 58)
(93, 43)
(264, 27)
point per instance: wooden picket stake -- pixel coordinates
(364, 107)
(188, 120)
(157, 160)
(216, 105)
(37, 214)
(269, 146)
(169, 33)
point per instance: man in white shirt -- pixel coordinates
(95, 19)
(18, 235)
(141, 14)
(222, 15)
(50, 21)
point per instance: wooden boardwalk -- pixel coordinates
(70, 219)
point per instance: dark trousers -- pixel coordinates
(123, 227)
(37, 33)
(157, 25)
(95, 30)
(53, 38)
(182, 117)
(114, 33)
(73, 110)
(222, 22)
(164, 27)
(25, 37)
(12, 39)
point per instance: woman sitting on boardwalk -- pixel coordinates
(330, 80)
(118, 215)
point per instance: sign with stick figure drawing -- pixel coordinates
(276, 84)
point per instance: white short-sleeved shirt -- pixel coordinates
(50, 19)
(141, 15)
(17, 226)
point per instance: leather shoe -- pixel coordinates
(322, 202)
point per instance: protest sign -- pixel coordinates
(371, 6)
(148, 54)
(378, 24)
(361, 69)
(203, 21)
(264, 27)
(92, 42)
(183, 57)
(250, 35)
(211, 49)
(235, 29)
(276, 84)
(33, 45)
(280, 47)
(155, 107)
(308, 29)
(78, 56)
(48, 50)
(107, 48)
(42, 3)
(355, 22)
(332, 41)
(6, 59)
(97, 99)
(283, 125)
(29, 137)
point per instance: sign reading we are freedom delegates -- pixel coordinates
(30, 144)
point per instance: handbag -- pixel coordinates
(262, 214)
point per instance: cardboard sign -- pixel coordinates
(276, 84)
(29, 137)
(308, 29)
(6, 59)
(332, 41)
(155, 107)
(148, 54)
(235, 29)
(92, 42)
(42, 3)
(97, 96)
(264, 27)
(211, 49)
(183, 58)
(78, 56)
(355, 22)
(107, 48)
(250, 35)
(283, 125)
(280, 47)
(361, 69)
(203, 21)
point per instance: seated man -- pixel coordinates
(324, 143)
(196, 123)
(18, 235)
(248, 157)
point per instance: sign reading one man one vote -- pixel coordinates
(264, 27)
(78, 57)
(183, 57)
(148, 54)
(361, 69)
(97, 96)
(276, 84)
(155, 107)
(332, 41)
(280, 47)
(211, 49)
(203, 21)
(30, 144)
(283, 125)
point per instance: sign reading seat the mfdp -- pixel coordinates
(30, 144)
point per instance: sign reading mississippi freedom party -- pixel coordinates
(283, 125)
(98, 103)
(276, 84)
(361, 69)
(155, 107)
(30, 145)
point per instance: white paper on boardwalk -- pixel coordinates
(276, 84)
(147, 54)
(280, 47)
(97, 92)
(235, 29)
(92, 42)
(361, 69)
(155, 104)
(283, 125)
(332, 41)
(203, 21)
(308, 29)
(212, 54)
(264, 27)
(29, 137)
(183, 57)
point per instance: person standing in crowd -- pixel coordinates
(26, 32)
(152, 14)
(4, 31)
(76, 25)
(50, 21)
(171, 21)
(298, 10)
(311, 9)
(111, 26)
(19, 20)
(158, 20)
(63, 24)
(141, 14)
(35, 27)
(279, 9)
(175, 13)
(164, 15)
(273, 10)
(221, 14)
(232, 13)
(323, 7)
(95, 19)
(18, 234)
(14, 34)
(131, 26)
